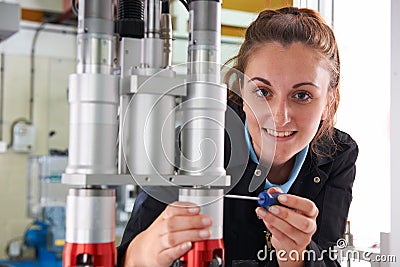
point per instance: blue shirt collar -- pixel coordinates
(300, 158)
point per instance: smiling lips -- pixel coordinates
(279, 134)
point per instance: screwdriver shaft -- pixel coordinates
(242, 197)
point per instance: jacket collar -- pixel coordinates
(308, 183)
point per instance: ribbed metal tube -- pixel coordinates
(129, 9)
(130, 18)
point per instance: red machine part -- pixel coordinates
(96, 255)
(203, 253)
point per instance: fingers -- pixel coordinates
(301, 205)
(294, 223)
(167, 256)
(181, 216)
(290, 228)
(180, 208)
(273, 190)
(282, 238)
(170, 236)
(179, 223)
(297, 220)
(281, 215)
(174, 239)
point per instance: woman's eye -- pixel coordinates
(303, 96)
(262, 92)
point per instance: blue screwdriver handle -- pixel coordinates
(266, 199)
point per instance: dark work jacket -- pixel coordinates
(327, 181)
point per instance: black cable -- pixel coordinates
(165, 7)
(185, 4)
(74, 8)
(32, 83)
(32, 77)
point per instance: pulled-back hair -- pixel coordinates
(287, 26)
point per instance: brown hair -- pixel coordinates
(286, 26)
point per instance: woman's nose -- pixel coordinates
(280, 113)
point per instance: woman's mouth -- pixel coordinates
(279, 133)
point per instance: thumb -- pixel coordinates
(274, 190)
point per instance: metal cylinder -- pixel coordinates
(152, 46)
(152, 18)
(96, 16)
(93, 93)
(205, 32)
(202, 132)
(90, 216)
(152, 53)
(150, 150)
(96, 41)
(211, 202)
(204, 107)
(93, 130)
(166, 36)
(96, 53)
(204, 51)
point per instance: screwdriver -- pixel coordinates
(264, 199)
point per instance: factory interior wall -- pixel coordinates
(50, 114)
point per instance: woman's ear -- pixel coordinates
(244, 105)
(329, 104)
(240, 86)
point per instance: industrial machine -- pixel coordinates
(125, 102)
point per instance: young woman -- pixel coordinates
(288, 97)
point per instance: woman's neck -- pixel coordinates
(279, 173)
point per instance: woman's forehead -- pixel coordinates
(275, 61)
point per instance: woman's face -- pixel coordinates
(285, 96)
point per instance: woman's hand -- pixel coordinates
(291, 226)
(169, 237)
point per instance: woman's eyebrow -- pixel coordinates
(261, 80)
(304, 83)
(265, 81)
